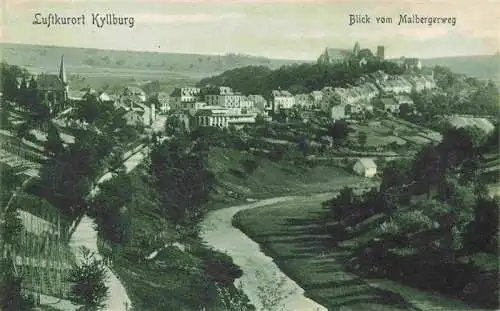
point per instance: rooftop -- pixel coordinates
(367, 162)
(49, 82)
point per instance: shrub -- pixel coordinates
(89, 282)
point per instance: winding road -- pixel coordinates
(86, 235)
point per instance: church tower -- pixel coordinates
(62, 76)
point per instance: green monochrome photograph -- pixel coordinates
(249, 155)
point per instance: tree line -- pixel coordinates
(297, 78)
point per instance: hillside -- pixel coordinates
(85, 61)
(479, 66)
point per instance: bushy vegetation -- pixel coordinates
(182, 178)
(435, 211)
(176, 278)
(295, 78)
(458, 95)
(88, 279)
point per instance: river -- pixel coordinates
(258, 269)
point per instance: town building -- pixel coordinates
(212, 116)
(317, 98)
(107, 98)
(222, 117)
(161, 100)
(140, 115)
(225, 97)
(337, 112)
(404, 100)
(365, 167)
(134, 93)
(282, 100)
(388, 104)
(393, 84)
(305, 101)
(260, 104)
(75, 95)
(180, 97)
(54, 89)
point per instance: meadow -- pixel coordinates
(295, 234)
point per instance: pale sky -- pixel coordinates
(295, 29)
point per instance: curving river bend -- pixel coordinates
(218, 232)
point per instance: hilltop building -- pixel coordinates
(409, 63)
(381, 52)
(338, 56)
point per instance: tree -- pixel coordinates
(11, 296)
(5, 122)
(89, 282)
(272, 292)
(10, 228)
(341, 203)
(89, 109)
(338, 130)
(427, 168)
(405, 110)
(482, 233)
(304, 145)
(54, 145)
(362, 137)
(108, 208)
(233, 301)
(183, 179)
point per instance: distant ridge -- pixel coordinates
(479, 66)
(44, 57)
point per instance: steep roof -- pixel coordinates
(367, 163)
(388, 101)
(48, 82)
(133, 90)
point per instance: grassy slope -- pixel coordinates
(294, 235)
(270, 178)
(151, 285)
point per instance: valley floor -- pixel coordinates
(294, 234)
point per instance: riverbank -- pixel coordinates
(295, 236)
(262, 281)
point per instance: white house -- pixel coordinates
(282, 100)
(365, 167)
(337, 112)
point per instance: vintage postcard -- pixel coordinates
(239, 155)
